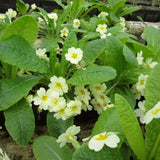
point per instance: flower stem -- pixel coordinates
(75, 143)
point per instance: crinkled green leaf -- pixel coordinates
(22, 7)
(113, 55)
(130, 127)
(152, 88)
(92, 74)
(70, 41)
(129, 56)
(152, 98)
(84, 153)
(25, 26)
(19, 121)
(129, 10)
(152, 35)
(147, 52)
(49, 41)
(108, 121)
(57, 126)
(46, 148)
(93, 49)
(12, 90)
(15, 50)
(126, 93)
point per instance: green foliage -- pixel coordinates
(84, 153)
(126, 93)
(93, 50)
(12, 90)
(152, 140)
(152, 35)
(113, 55)
(130, 127)
(92, 74)
(19, 121)
(22, 7)
(110, 121)
(47, 148)
(129, 56)
(15, 50)
(57, 126)
(29, 31)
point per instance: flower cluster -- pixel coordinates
(100, 100)
(52, 99)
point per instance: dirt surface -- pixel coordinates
(15, 152)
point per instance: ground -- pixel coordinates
(15, 152)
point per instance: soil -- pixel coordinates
(15, 152)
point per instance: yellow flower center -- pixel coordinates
(83, 103)
(102, 137)
(102, 28)
(77, 23)
(99, 106)
(74, 108)
(74, 56)
(156, 111)
(102, 97)
(55, 101)
(44, 98)
(141, 82)
(61, 111)
(98, 88)
(58, 85)
(138, 92)
(147, 66)
(64, 32)
(82, 92)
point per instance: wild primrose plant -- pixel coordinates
(70, 61)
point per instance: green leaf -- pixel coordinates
(59, 2)
(115, 29)
(110, 120)
(152, 139)
(114, 54)
(84, 153)
(152, 88)
(70, 41)
(152, 35)
(12, 90)
(92, 74)
(85, 25)
(130, 126)
(129, 10)
(46, 148)
(49, 41)
(152, 97)
(19, 121)
(129, 56)
(75, 6)
(126, 93)
(93, 49)
(25, 26)
(22, 7)
(147, 52)
(17, 51)
(57, 127)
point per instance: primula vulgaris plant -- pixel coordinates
(81, 63)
